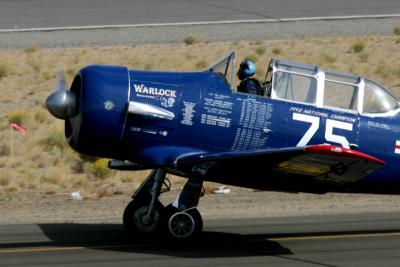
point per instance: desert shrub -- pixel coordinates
(31, 48)
(191, 39)
(396, 30)
(201, 64)
(149, 66)
(11, 189)
(41, 115)
(4, 150)
(99, 168)
(329, 58)
(6, 68)
(18, 116)
(358, 46)
(276, 51)
(260, 50)
(54, 139)
(4, 180)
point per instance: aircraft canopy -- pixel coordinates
(313, 85)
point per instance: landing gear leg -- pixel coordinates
(143, 214)
(182, 219)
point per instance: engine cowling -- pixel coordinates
(101, 98)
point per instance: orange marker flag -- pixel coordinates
(20, 129)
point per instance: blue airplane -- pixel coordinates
(314, 131)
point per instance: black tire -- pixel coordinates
(134, 214)
(191, 220)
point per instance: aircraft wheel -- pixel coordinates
(136, 221)
(183, 225)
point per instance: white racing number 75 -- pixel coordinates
(329, 135)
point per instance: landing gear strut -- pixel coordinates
(145, 214)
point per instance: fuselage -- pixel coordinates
(210, 117)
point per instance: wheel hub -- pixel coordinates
(181, 225)
(143, 222)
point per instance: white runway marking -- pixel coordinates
(93, 27)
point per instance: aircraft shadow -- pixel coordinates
(112, 237)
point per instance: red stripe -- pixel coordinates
(332, 150)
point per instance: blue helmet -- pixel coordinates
(247, 68)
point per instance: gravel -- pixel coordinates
(213, 32)
(38, 207)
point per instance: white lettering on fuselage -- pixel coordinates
(142, 89)
(329, 129)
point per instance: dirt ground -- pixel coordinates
(35, 207)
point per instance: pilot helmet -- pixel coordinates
(246, 69)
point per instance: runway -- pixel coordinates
(89, 23)
(334, 240)
(59, 13)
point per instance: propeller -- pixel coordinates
(61, 103)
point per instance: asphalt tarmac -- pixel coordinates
(60, 13)
(334, 240)
(89, 23)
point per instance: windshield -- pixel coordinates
(226, 68)
(377, 99)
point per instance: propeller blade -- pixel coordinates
(60, 82)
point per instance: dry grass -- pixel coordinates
(191, 39)
(261, 50)
(6, 68)
(276, 51)
(43, 161)
(358, 46)
(396, 30)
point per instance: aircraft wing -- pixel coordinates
(318, 162)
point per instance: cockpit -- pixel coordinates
(313, 85)
(226, 68)
(310, 84)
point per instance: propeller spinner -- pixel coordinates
(61, 103)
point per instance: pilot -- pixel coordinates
(247, 83)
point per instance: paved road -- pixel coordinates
(244, 20)
(60, 13)
(339, 240)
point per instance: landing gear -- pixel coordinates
(183, 225)
(145, 215)
(136, 219)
